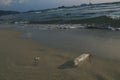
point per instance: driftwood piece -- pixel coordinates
(81, 58)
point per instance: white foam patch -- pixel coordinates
(114, 16)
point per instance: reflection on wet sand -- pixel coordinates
(16, 58)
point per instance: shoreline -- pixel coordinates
(16, 62)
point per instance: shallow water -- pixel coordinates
(105, 43)
(100, 42)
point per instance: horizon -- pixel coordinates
(28, 5)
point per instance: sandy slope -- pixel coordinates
(16, 62)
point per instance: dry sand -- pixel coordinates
(16, 62)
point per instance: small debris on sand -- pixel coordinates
(36, 60)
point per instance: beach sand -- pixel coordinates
(17, 54)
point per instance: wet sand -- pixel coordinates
(16, 62)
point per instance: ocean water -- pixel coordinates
(100, 15)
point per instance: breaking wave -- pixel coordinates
(100, 21)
